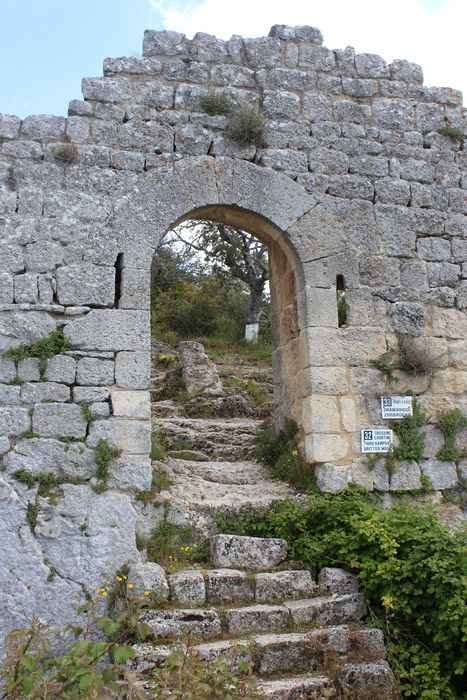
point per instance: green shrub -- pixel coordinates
(160, 482)
(450, 424)
(65, 153)
(412, 442)
(103, 456)
(247, 128)
(411, 568)
(279, 452)
(454, 132)
(215, 104)
(43, 349)
(171, 544)
(157, 450)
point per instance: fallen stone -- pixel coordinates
(199, 374)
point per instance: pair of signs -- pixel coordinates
(379, 440)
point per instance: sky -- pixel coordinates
(47, 46)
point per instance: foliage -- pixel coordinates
(413, 358)
(279, 452)
(171, 544)
(65, 153)
(411, 567)
(186, 675)
(160, 482)
(247, 128)
(341, 309)
(450, 424)
(103, 456)
(215, 104)
(157, 450)
(43, 349)
(412, 442)
(86, 411)
(454, 132)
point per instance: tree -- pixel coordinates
(230, 250)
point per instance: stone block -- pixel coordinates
(317, 107)
(135, 65)
(321, 414)
(4, 445)
(450, 381)
(397, 228)
(378, 272)
(342, 346)
(256, 618)
(434, 249)
(371, 66)
(263, 52)
(405, 477)
(165, 43)
(393, 114)
(110, 329)
(59, 420)
(136, 289)
(99, 410)
(46, 455)
(62, 369)
(430, 116)
(86, 284)
(9, 394)
(14, 420)
(92, 371)
(329, 477)
(7, 370)
(28, 370)
(158, 95)
(283, 585)
(43, 127)
(89, 394)
(131, 404)
(6, 288)
(179, 624)
(324, 380)
(106, 89)
(335, 610)
(187, 587)
(228, 586)
(337, 581)
(443, 274)
(279, 653)
(442, 475)
(408, 318)
(406, 71)
(319, 306)
(44, 391)
(373, 679)
(253, 553)
(449, 323)
(281, 104)
(458, 354)
(234, 653)
(9, 126)
(132, 370)
(130, 436)
(26, 289)
(369, 165)
(150, 577)
(391, 191)
(129, 472)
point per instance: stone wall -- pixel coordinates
(353, 179)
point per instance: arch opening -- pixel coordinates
(285, 285)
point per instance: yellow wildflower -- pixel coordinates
(118, 578)
(294, 453)
(388, 602)
(147, 592)
(131, 585)
(104, 593)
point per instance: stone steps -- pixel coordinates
(301, 638)
(210, 484)
(222, 439)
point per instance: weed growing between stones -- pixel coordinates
(216, 104)
(247, 128)
(65, 153)
(410, 566)
(172, 545)
(103, 456)
(279, 452)
(157, 449)
(160, 482)
(86, 411)
(412, 442)
(43, 349)
(454, 132)
(415, 359)
(450, 424)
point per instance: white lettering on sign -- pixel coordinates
(376, 439)
(396, 406)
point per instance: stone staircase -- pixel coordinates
(303, 639)
(218, 429)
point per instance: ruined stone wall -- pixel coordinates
(353, 179)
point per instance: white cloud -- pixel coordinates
(435, 38)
